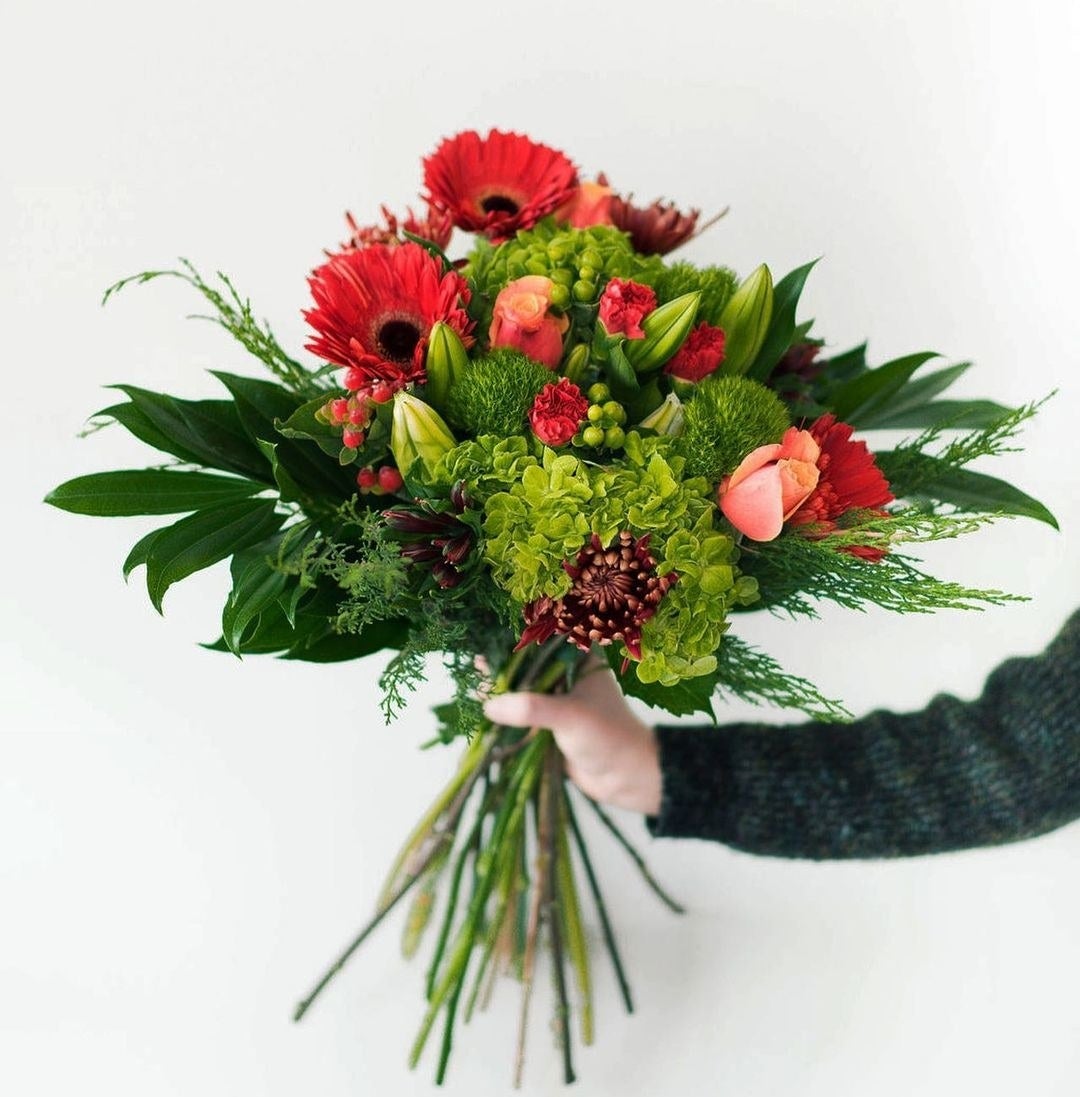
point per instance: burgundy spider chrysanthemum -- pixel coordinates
(615, 591)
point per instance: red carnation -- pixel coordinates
(497, 184)
(624, 305)
(557, 412)
(374, 308)
(849, 479)
(699, 355)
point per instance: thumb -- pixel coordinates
(530, 710)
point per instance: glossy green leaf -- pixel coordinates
(140, 552)
(962, 414)
(261, 406)
(303, 424)
(208, 432)
(136, 421)
(258, 586)
(972, 491)
(876, 388)
(335, 647)
(782, 326)
(204, 538)
(914, 394)
(620, 374)
(148, 491)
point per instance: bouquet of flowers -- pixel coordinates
(560, 451)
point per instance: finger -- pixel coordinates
(530, 710)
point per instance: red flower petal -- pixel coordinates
(497, 184)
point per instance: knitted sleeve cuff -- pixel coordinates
(695, 772)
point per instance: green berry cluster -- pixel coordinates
(605, 420)
(578, 261)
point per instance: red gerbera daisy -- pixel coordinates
(849, 479)
(497, 184)
(374, 308)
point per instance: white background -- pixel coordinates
(187, 839)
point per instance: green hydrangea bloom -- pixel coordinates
(536, 524)
(581, 260)
(539, 513)
(681, 639)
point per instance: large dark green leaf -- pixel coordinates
(135, 420)
(262, 406)
(875, 389)
(914, 394)
(684, 699)
(962, 414)
(335, 647)
(140, 552)
(258, 586)
(203, 539)
(782, 326)
(970, 491)
(148, 491)
(207, 432)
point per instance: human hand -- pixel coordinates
(610, 754)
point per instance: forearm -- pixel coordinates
(953, 776)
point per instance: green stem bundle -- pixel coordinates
(504, 885)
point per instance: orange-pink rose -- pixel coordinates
(590, 205)
(770, 485)
(521, 320)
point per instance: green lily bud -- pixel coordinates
(417, 433)
(745, 320)
(668, 417)
(666, 328)
(577, 363)
(446, 362)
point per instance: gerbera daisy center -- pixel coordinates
(499, 203)
(398, 339)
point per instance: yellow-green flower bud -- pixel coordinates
(417, 433)
(447, 361)
(577, 362)
(666, 329)
(668, 417)
(745, 320)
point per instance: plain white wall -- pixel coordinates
(186, 839)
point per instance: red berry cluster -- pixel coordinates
(353, 413)
(382, 481)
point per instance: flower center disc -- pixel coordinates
(499, 203)
(398, 339)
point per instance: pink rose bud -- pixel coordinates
(590, 205)
(770, 485)
(521, 320)
(623, 305)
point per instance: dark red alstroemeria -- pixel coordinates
(436, 227)
(437, 538)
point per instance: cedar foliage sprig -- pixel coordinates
(794, 571)
(233, 313)
(751, 675)
(909, 467)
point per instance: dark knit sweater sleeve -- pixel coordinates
(952, 776)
